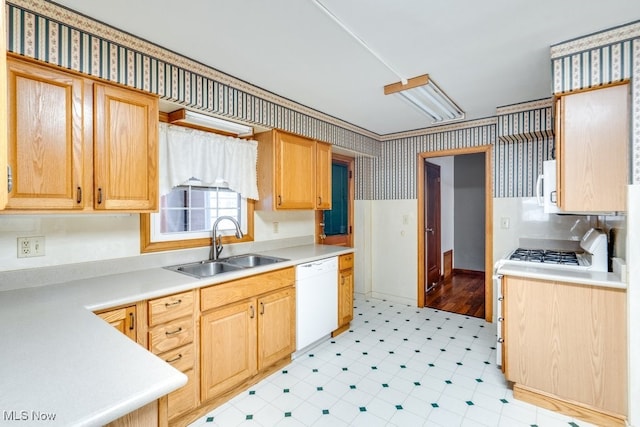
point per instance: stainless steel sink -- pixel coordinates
(209, 268)
(204, 268)
(252, 260)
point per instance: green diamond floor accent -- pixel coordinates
(325, 412)
(470, 403)
(352, 387)
(286, 390)
(385, 385)
(252, 392)
(249, 417)
(416, 383)
(209, 419)
(314, 370)
(504, 401)
(435, 405)
(319, 388)
(363, 409)
(448, 382)
(287, 414)
(399, 407)
(479, 380)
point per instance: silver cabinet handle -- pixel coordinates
(177, 331)
(175, 359)
(9, 179)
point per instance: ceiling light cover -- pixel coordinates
(422, 93)
(192, 117)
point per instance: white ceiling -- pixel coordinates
(484, 54)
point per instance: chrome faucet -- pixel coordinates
(216, 243)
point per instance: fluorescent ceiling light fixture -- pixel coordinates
(423, 93)
(203, 120)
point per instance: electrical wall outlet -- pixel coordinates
(30, 246)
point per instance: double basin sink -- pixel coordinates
(209, 268)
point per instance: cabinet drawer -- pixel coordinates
(238, 290)
(345, 261)
(172, 335)
(165, 309)
(181, 358)
(185, 398)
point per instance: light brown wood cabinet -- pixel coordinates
(123, 319)
(345, 292)
(247, 326)
(173, 337)
(565, 346)
(3, 111)
(294, 172)
(592, 144)
(78, 144)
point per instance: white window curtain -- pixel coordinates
(210, 158)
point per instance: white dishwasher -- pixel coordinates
(316, 300)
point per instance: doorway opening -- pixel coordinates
(335, 226)
(437, 282)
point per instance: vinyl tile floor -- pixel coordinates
(398, 365)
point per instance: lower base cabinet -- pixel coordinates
(565, 347)
(246, 326)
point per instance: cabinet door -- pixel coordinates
(295, 172)
(228, 347)
(45, 143)
(592, 150)
(276, 327)
(123, 319)
(126, 149)
(3, 110)
(345, 297)
(323, 175)
(568, 340)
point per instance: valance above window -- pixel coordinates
(212, 159)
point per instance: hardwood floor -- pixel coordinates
(462, 294)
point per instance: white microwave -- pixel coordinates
(546, 187)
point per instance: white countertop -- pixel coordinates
(58, 357)
(585, 277)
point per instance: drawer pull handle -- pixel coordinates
(175, 359)
(171, 304)
(177, 331)
(99, 196)
(252, 315)
(79, 195)
(261, 308)
(132, 322)
(279, 200)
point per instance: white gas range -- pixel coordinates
(593, 257)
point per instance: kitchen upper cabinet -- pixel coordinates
(323, 176)
(126, 149)
(592, 145)
(294, 172)
(345, 293)
(565, 347)
(46, 139)
(77, 144)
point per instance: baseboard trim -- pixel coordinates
(572, 409)
(469, 272)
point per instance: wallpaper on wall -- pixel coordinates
(605, 57)
(56, 35)
(387, 170)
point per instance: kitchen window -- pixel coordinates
(187, 214)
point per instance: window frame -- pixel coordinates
(147, 246)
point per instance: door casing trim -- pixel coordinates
(488, 226)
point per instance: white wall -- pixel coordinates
(81, 238)
(394, 256)
(362, 243)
